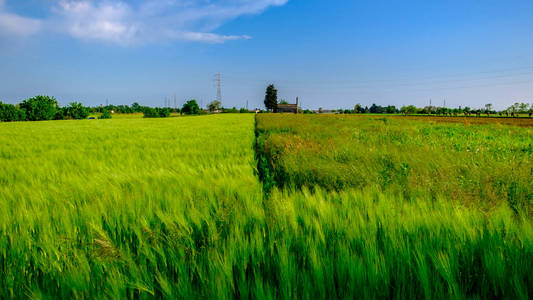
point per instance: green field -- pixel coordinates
(338, 208)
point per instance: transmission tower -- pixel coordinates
(219, 87)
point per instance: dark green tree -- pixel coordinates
(10, 112)
(191, 108)
(136, 107)
(271, 98)
(40, 108)
(76, 111)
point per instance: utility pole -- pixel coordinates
(246, 104)
(218, 80)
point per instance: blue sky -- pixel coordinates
(332, 54)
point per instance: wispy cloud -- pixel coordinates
(14, 25)
(137, 22)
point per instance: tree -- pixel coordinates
(214, 106)
(411, 109)
(283, 101)
(271, 98)
(191, 108)
(376, 109)
(76, 111)
(391, 109)
(40, 108)
(358, 109)
(10, 113)
(105, 114)
(488, 108)
(522, 107)
(158, 112)
(136, 107)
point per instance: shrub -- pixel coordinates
(9, 113)
(105, 114)
(40, 108)
(76, 111)
(157, 112)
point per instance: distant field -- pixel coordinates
(481, 164)
(175, 208)
(523, 121)
(129, 116)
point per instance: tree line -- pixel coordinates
(271, 104)
(40, 108)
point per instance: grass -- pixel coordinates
(173, 208)
(480, 165)
(124, 207)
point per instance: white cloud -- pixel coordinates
(15, 25)
(137, 22)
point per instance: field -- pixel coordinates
(325, 207)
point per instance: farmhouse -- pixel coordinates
(289, 108)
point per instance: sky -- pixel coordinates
(330, 54)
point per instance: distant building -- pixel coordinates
(289, 108)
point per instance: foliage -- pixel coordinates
(482, 165)
(106, 114)
(75, 111)
(214, 106)
(10, 113)
(271, 98)
(40, 108)
(191, 108)
(408, 110)
(157, 112)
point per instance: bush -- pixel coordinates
(40, 108)
(191, 108)
(243, 110)
(105, 114)
(9, 113)
(157, 112)
(76, 111)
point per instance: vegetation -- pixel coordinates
(172, 208)
(157, 112)
(74, 111)
(40, 108)
(484, 165)
(105, 115)
(271, 98)
(191, 108)
(214, 106)
(10, 113)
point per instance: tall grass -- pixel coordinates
(143, 208)
(367, 244)
(480, 165)
(126, 207)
